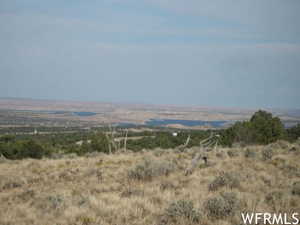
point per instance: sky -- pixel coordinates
(221, 53)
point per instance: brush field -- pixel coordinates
(150, 187)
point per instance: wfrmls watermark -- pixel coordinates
(270, 218)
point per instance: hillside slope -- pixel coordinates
(150, 187)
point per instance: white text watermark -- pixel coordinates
(270, 218)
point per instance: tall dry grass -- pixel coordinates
(151, 188)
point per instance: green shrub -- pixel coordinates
(227, 179)
(32, 149)
(298, 140)
(23, 149)
(222, 206)
(99, 143)
(150, 168)
(267, 153)
(182, 209)
(262, 128)
(293, 133)
(7, 138)
(267, 128)
(56, 201)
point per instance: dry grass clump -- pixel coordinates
(26, 195)
(150, 168)
(228, 179)
(167, 185)
(249, 153)
(280, 201)
(273, 196)
(220, 155)
(295, 149)
(291, 170)
(232, 153)
(159, 152)
(61, 155)
(221, 206)
(129, 192)
(296, 188)
(280, 144)
(179, 211)
(7, 183)
(84, 220)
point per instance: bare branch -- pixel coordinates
(125, 140)
(182, 147)
(204, 145)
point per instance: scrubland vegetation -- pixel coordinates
(262, 128)
(150, 187)
(50, 180)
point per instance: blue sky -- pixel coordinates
(224, 53)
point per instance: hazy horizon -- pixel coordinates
(152, 104)
(201, 53)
